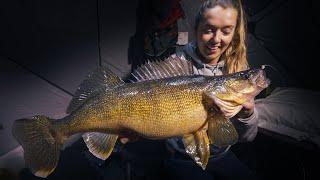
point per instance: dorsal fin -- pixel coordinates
(99, 80)
(169, 67)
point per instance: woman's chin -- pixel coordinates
(211, 58)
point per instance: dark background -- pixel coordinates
(47, 48)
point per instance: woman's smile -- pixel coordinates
(213, 49)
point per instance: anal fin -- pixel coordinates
(100, 144)
(197, 146)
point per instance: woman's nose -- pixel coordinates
(216, 38)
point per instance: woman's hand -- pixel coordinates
(229, 109)
(247, 109)
(125, 138)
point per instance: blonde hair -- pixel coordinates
(235, 56)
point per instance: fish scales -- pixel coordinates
(151, 109)
(161, 106)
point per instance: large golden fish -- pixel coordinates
(167, 100)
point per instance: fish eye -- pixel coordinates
(247, 76)
(244, 75)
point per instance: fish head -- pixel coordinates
(241, 86)
(251, 81)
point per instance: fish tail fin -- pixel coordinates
(40, 142)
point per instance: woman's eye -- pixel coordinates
(207, 30)
(226, 32)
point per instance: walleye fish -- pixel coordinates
(167, 100)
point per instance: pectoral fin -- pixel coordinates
(99, 144)
(197, 146)
(221, 131)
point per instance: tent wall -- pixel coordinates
(48, 47)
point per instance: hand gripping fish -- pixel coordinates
(166, 100)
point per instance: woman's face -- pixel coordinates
(215, 32)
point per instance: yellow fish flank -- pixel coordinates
(152, 109)
(166, 101)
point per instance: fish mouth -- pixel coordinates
(260, 79)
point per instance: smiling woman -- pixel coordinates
(220, 34)
(215, 33)
(219, 49)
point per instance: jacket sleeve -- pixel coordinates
(247, 128)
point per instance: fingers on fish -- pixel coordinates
(228, 108)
